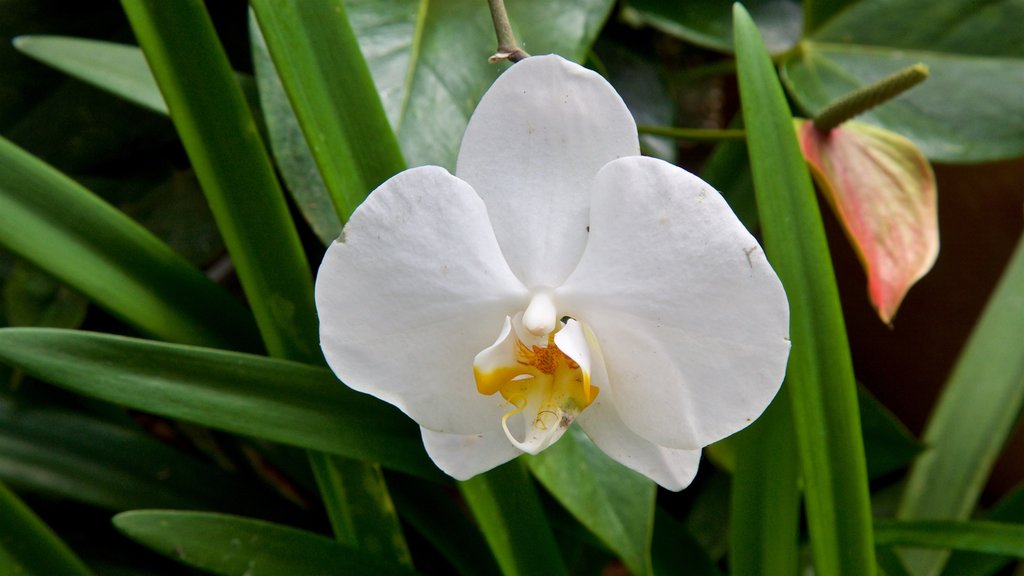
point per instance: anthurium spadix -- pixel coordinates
(882, 190)
(558, 276)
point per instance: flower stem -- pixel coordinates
(695, 134)
(870, 96)
(507, 47)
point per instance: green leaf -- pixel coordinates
(968, 111)
(675, 546)
(27, 546)
(888, 445)
(766, 495)
(118, 68)
(49, 220)
(983, 389)
(612, 501)
(708, 23)
(508, 510)
(78, 457)
(288, 145)
(978, 536)
(231, 545)
(221, 139)
(317, 57)
(277, 400)
(429, 59)
(820, 371)
(1009, 509)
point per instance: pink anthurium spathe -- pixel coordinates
(883, 191)
(557, 277)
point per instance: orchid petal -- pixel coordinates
(412, 290)
(692, 320)
(532, 146)
(882, 189)
(672, 469)
(463, 456)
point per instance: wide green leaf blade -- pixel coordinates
(970, 109)
(977, 536)
(508, 510)
(278, 400)
(329, 85)
(51, 221)
(985, 390)
(118, 68)
(612, 501)
(963, 563)
(27, 546)
(765, 521)
(429, 59)
(820, 371)
(231, 545)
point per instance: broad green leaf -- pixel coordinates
(962, 563)
(818, 12)
(33, 298)
(29, 547)
(612, 501)
(883, 191)
(289, 147)
(429, 59)
(74, 456)
(976, 536)
(277, 400)
(318, 60)
(49, 220)
(230, 545)
(985, 390)
(509, 512)
(765, 508)
(970, 109)
(708, 23)
(118, 68)
(820, 372)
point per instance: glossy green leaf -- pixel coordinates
(983, 389)
(820, 371)
(765, 509)
(968, 111)
(508, 510)
(49, 220)
(708, 23)
(277, 400)
(288, 145)
(963, 563)
(78, 457)
(29, 547)
(317, 57)
(230, 545)
(429, 59)
(977, 536)
(118, 68)
(612, 501)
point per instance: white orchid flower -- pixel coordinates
(559, 276)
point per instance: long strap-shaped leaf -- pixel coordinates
(51, 221)
(229, 545)
(820, 373)
(278, 400)
(980, 536)
(986, 390)
(220, 136)
(334, 97)
(27, 546)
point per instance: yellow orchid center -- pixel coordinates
(544, 379)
